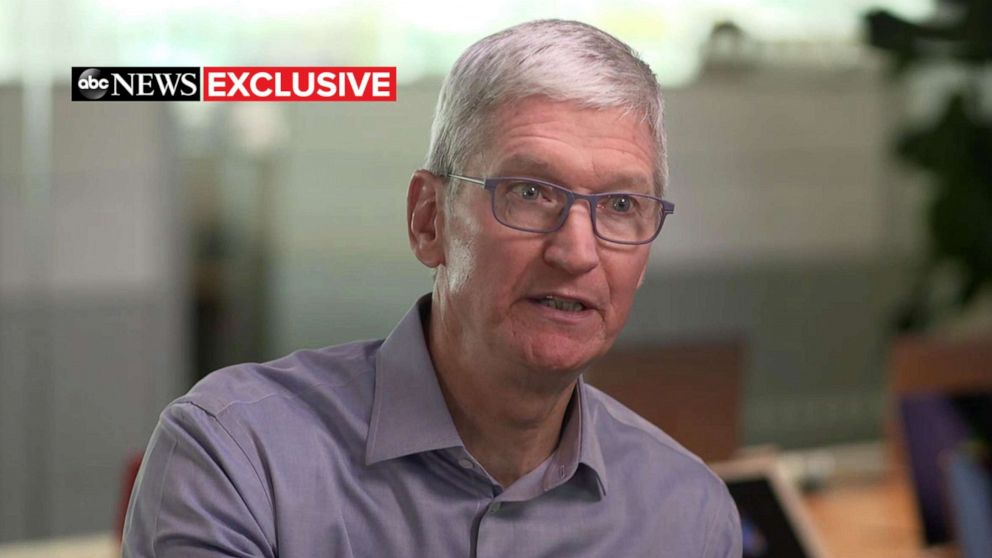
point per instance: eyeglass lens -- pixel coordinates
(541, 208)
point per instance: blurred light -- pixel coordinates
(421, 38)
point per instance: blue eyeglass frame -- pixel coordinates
(489, 184)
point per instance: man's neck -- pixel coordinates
(510, 427)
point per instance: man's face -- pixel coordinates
(494, 278)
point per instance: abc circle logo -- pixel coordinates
(91, 85)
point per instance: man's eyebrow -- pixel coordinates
(521, 163)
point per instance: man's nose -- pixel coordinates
(574, 247)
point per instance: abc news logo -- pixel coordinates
(136, 84)
(235, 83)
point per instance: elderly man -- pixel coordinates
(469, 430)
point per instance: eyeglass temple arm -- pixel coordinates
(467, 179)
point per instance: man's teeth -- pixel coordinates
(561, 304)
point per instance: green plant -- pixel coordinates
(956, 150)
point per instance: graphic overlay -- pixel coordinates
(136, 83)
(235, 83)
(299, 83)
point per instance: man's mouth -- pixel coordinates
(563, 304)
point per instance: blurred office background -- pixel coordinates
(144, 244)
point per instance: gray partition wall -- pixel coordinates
(92, 303)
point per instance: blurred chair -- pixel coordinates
(942, 397)
(927, 364)
(690, 390)
(969, 480)
(128, 478)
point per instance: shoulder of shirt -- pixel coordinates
(293, 376)
(618, 416)
(616, 425)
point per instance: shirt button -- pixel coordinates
(494, 507)
(465, 463)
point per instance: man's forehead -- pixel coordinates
(543, 117)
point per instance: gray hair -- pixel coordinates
(562, 60)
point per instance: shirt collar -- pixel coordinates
(409, 414)
(578, 445)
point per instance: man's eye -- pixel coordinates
(527, 191)
(621, 204)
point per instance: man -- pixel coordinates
(468, 431)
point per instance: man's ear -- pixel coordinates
(423, 218)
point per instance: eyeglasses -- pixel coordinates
(529, 204)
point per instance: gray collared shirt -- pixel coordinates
(351, 451)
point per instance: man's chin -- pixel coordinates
(562, 358)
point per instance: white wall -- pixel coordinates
(784, 165)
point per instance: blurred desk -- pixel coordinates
(869, 518)
(103, 545)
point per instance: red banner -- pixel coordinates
(299, 83)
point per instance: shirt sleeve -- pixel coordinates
(197, 494)
(724, 539)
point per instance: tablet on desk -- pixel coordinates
(773, 519)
